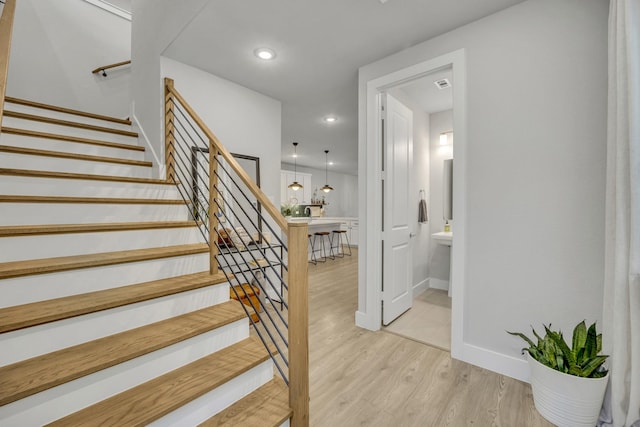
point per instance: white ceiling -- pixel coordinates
(427, 95)
(320, 45)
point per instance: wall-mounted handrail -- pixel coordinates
(107, 67)
(6, 29)
(215, 196)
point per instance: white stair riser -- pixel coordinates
(210, 404)
(56, 245)
(23, 141)
(55, 403)
(76, 213)
(14, 122)
(42, 339)
(36, 186)
(64, 116)
(57, 164)
(40, 287)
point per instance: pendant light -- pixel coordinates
(326, 187)
(295, 185)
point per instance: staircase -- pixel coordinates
(109, 314)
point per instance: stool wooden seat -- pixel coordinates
(338, 244)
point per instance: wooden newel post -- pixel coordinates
(213, 208)
(298, 324)
(168, 130)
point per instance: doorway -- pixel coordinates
(369, 314)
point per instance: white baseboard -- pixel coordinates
(158, 165)
(513, 367)
(363, 321)
(420, 287)
(438, 284)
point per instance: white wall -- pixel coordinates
(343, 200)
(156, 23)
(56, 45)
(536, 127)
(420, 180)
(246, 122)
(439, 255)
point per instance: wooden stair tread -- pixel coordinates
(66, 110)
(51, 265)
(44, 119)
(34, 375)
(267, 406)
(38, 134)
(74, 156)
(30, 230)
(37, 313)
(150, 401)
(88, 200)
(70, 175)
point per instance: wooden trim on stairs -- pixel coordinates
(91, 200)
(33, 230)
(66, 110)
(39, 373)
(69, 175)
(78, 125)
(6, 30)
(37, 134)
(74, 156)
(52, 265)
(150, 401)
(267, 406)
(38, 313)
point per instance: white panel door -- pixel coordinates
(397, 258)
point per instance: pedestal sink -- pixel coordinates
(443, 237)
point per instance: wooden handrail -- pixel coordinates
(6, 29)
(106, 67)
(233, 163)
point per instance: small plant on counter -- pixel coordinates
(582, 359)
(286, 209)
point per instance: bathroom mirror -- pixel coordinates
(447, 190)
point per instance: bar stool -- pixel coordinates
(312, 259)
(337, 235)
(323, 249)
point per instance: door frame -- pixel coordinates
(369, 314)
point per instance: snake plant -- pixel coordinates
(582, 359)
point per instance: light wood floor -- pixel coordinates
(364, 378)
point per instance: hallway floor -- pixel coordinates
(428, 321)
(364, 378)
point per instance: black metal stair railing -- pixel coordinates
(250, 251)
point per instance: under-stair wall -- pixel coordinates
(108, 312)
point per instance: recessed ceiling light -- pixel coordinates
(265, 53)
(330, 119)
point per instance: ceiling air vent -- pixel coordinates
(442, 84)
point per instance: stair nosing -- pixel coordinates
(71, 175)
(59, 109)
(73, 156)
(57, 264)
(48, 229)
(174, 389)
(69, 123)
(69, 138)
(37, 313)
(86, 358)
(88, 200)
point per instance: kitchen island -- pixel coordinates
(319, 225)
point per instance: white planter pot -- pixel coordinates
(566, 400)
